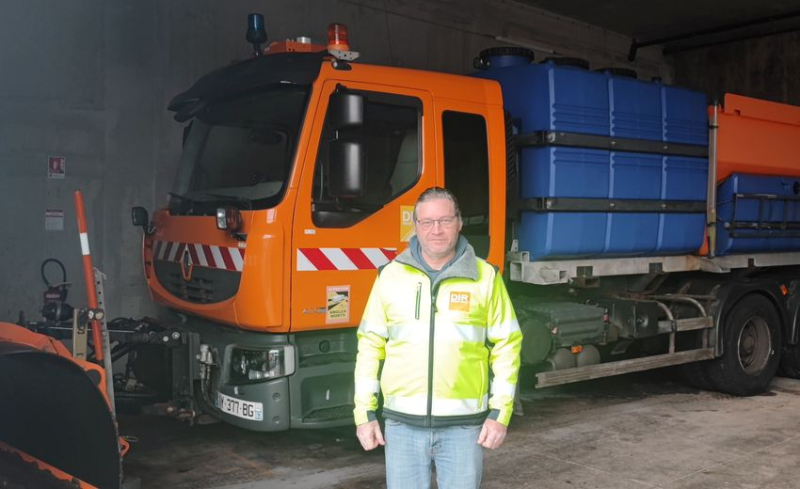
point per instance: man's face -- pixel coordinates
(437, 239)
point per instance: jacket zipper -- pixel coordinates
(429, 418)
(419, 297)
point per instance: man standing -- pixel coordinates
(439, 318)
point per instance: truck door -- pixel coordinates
(474, 159)
(338, 245)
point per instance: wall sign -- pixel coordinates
(54, 219)
(57, 167)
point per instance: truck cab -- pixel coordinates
(297, 181)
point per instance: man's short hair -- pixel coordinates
(434, 193)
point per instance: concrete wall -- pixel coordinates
(89, 80)
(768, 68)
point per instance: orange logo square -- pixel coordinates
(459, 301)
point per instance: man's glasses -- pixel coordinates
(444, 223)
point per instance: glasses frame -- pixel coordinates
(428, 224)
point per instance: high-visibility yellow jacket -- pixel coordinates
(437, 341)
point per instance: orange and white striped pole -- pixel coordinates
(88, 274)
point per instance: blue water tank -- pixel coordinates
(568, 97)
(761, 203)
(568, 173)
(683, 178)
(563, 95)
(633, 176)
(564, 172)
(556, 95)
(685, 116)
(554, 235)
(635, 108)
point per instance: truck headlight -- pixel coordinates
(271, 363)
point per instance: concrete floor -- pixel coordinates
(637, 431)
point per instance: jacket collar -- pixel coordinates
(465, 266)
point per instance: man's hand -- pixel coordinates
(369, 434)
(492, 434)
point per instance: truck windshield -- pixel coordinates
(239, 152)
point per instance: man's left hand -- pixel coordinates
(492, 434)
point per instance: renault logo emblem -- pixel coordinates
(186, 265)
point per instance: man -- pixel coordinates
(439, 318)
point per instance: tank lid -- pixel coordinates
(503, 57)
(575, 62)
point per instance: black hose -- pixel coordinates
(63, 271)
(120, 351)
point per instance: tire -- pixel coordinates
(790, 361)
(751, 348)
(695, 375)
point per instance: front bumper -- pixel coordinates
(318, 394)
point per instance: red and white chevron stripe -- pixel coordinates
(210, 256)
(313, 259)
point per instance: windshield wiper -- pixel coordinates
(180, 204)
(245, 202)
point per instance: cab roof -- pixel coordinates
(304, 68)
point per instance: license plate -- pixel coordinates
(239, 408)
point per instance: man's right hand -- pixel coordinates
(369, 434)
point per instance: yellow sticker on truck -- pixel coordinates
(406, 223)
(338, 304)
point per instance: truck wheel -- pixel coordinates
(790, 361)
(752, 345)
(695, 375)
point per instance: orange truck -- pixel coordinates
(297, 180)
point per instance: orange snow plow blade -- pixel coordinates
(54, 416)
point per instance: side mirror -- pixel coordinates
(346, 109)
(140, 217)
(347, 169)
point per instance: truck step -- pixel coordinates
(567, 376)
(690, 324)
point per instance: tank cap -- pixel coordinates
(616, 71)
(483, 60)
(576, 62)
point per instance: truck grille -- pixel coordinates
(208, 285)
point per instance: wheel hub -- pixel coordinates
(754, 345)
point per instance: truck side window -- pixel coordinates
(466, 173)
(390, 137)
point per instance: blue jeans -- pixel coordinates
(412, 451)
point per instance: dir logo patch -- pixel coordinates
(459, 301)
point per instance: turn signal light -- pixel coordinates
(337, 37)
(577, 349)
(784, 290)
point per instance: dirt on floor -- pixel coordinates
(646, 430)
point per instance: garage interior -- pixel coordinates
(93, 91)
